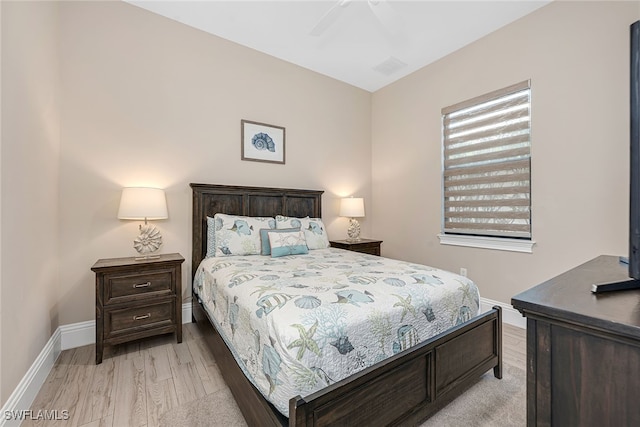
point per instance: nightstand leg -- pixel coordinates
(99, 348)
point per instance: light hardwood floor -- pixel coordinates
(138, 382)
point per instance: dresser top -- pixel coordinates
(568, 297)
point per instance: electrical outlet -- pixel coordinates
(463, 271)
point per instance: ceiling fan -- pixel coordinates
(386, 15)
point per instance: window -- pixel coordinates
(487, 165)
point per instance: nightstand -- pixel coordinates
(137, 299)
(367, 246)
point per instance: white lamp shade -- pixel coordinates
(352, 207)
(143, 203)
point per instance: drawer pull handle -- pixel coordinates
(142, 285)
(144, 316)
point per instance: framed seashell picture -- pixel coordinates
(261, 142)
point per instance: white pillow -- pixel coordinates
(314, 230)
(239, 235)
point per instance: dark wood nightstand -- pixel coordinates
(137, 299)
(367, 246)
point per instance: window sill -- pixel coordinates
(497, 243)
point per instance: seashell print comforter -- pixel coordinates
(299, 323)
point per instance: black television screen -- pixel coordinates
(634, 172)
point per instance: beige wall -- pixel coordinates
(149, 101)
(29, 193)
(577, 57)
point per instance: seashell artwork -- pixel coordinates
(262, 141)
(149, 239)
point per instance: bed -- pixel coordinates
(404, 387)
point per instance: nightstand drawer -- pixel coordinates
(122, 286)
(130, 320)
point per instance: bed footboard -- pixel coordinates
(404, 389)
(412, 385)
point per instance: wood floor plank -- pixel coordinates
(132, 349)
(130, 394)
(191, 331)
(200, 351)
(213, 381)
(179, 354)
(157, 363)
(161, 397)
(76, 382)
(54, 380)
(161, 392)
(187, 382)
(206, 366)
(99, 400)
(514, 346)
(103, 422)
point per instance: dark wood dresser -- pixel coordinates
(583, 349)
(366, 246)
(137, 299)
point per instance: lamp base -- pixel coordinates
(354, 230)
(148, 241)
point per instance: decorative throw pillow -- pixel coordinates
(265, 246)
(287, 243)
(239, 235)
(314, 230)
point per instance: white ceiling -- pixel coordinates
(357, 38)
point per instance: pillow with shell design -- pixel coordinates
(314, 230)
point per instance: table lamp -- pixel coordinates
(144, 203)
(352, 207)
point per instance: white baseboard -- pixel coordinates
(64, 338)
(509, 314)
(28, 388)
(78, 334)
(186, 313)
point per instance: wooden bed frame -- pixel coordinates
(403, 389)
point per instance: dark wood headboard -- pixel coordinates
(209, 199)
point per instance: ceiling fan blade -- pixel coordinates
(387, 15)
(329, 18)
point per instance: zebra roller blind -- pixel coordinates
(487, 164)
